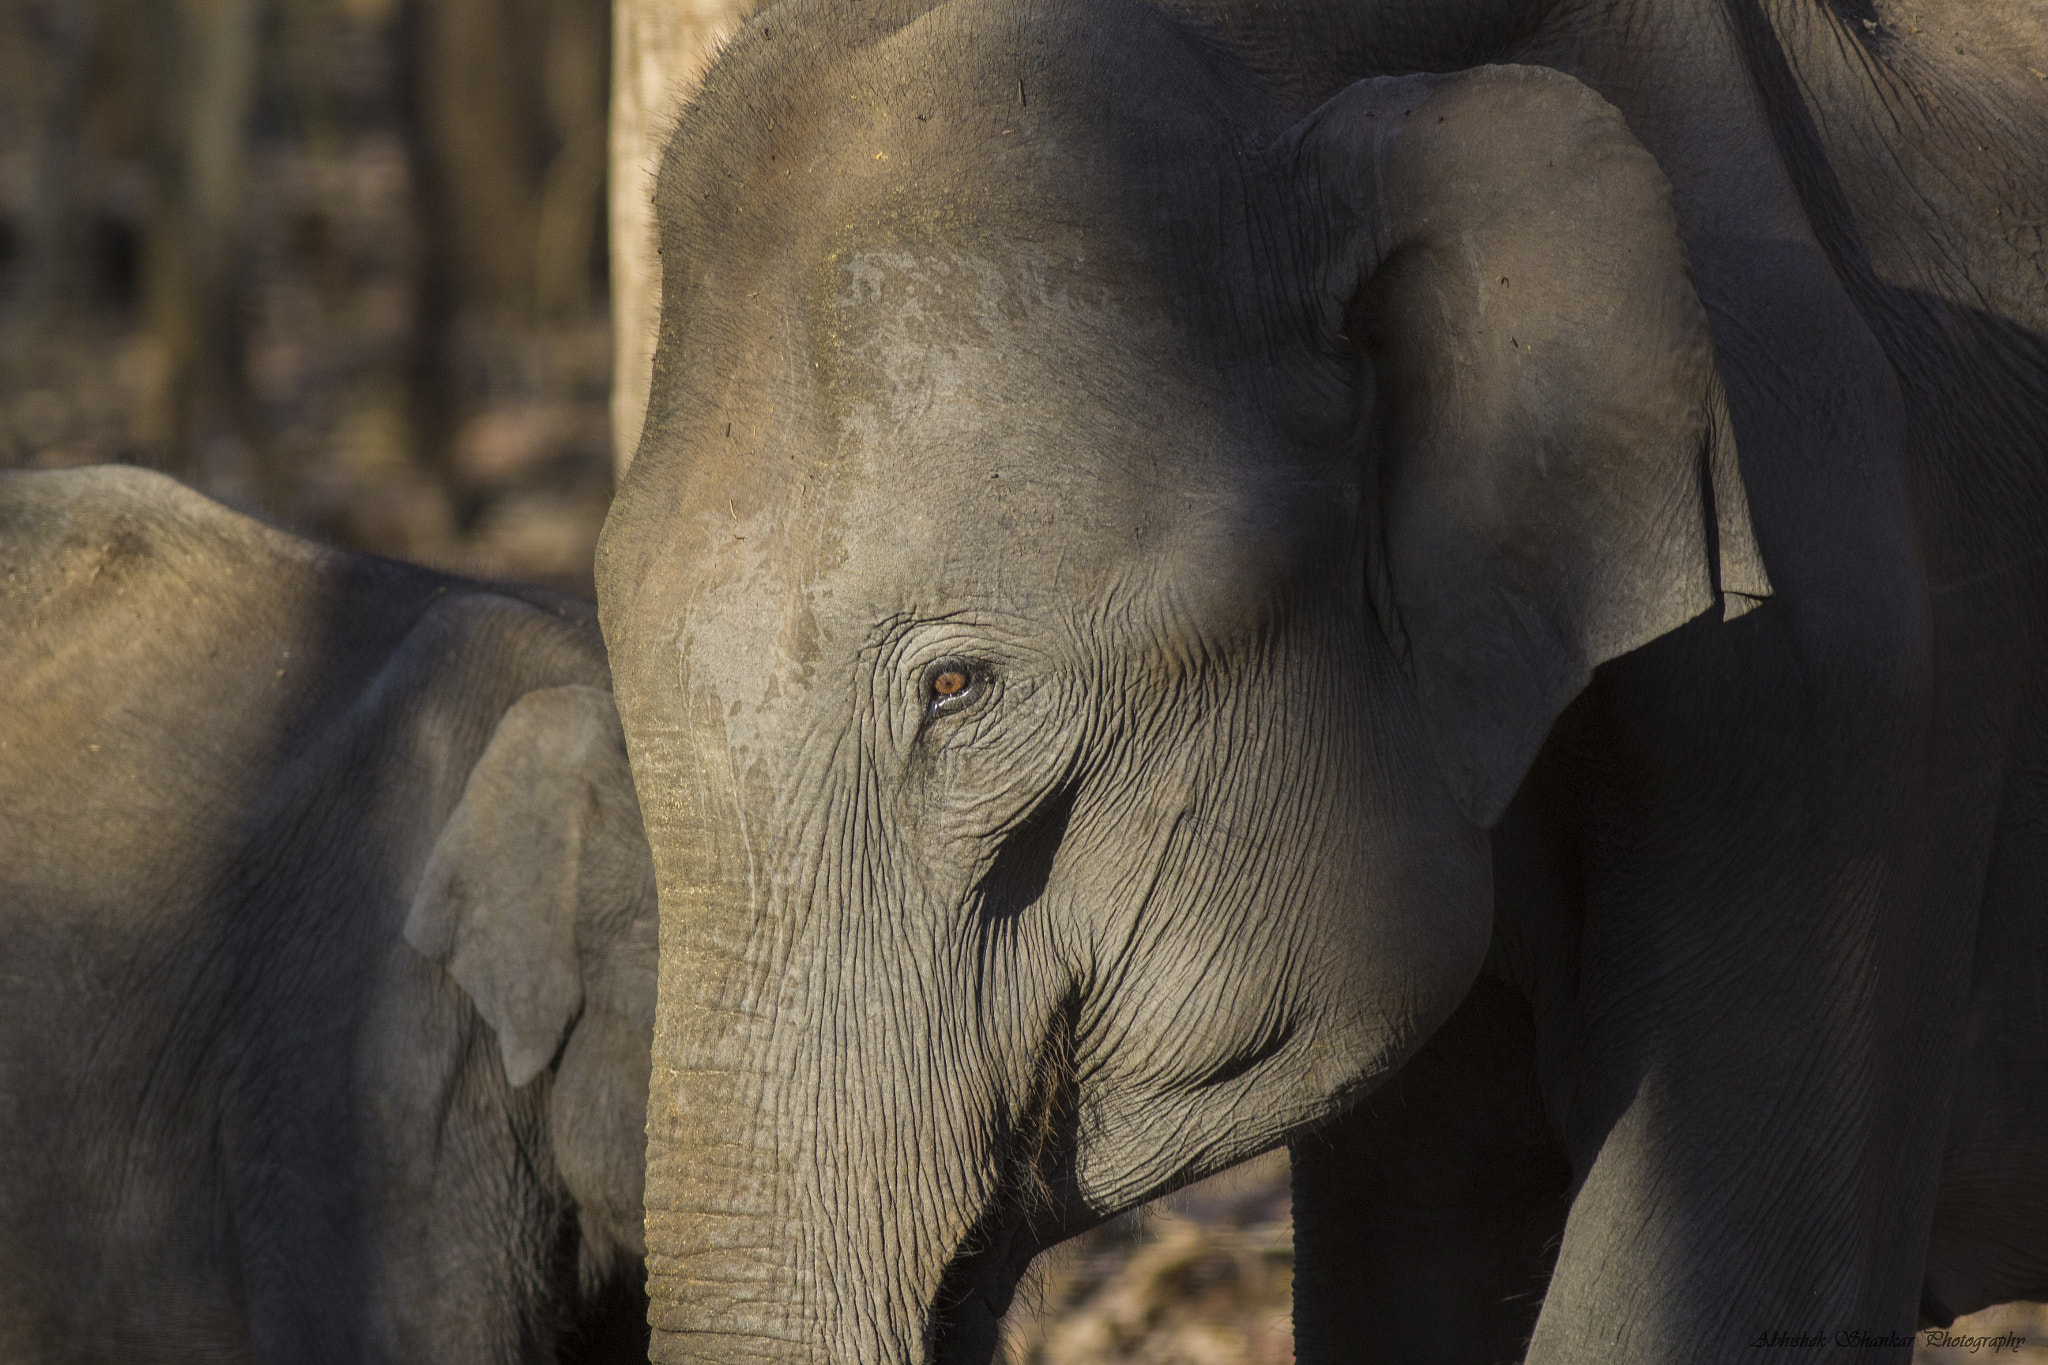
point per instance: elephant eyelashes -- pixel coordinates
(953, 686)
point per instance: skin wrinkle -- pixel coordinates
(1918, 170)
(1197, 897)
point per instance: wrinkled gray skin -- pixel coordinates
(1274, 441)
(329, 962)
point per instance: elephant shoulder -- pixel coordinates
(191, 688)
(74, 542)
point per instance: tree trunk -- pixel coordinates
(196, 295)
(47, 85)
(659, 51)
(572, 188)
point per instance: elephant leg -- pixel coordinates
(1427, 1218)
(1769, 986)
(1990, 1236)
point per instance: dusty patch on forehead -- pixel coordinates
(895, 334)
(881, 306)
(936, 348)
(752, 640)
(1013, 421)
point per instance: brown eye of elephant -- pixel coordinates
(952, 685)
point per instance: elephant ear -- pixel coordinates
(546, 826)
(1552, 452)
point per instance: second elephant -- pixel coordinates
(329, 959)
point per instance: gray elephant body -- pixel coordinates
(1168, 545)
(245, 1118)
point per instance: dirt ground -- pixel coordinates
(1203, 1277)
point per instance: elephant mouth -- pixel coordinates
(980, 1281)
(1036, 1205)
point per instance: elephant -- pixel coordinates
(1457, 586)
(330, 963)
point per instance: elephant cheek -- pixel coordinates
(1412, 946)
(1246, 1035)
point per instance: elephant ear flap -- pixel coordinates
(498, 903)
(1552, 453)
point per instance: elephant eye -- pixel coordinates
(952, 685)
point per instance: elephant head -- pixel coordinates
(1099, 559)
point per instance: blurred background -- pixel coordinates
(344, 264)
(338, 261)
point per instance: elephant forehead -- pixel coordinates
(1000, 413)
(960, 356)
(1005, 435)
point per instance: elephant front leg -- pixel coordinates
(1768, 987)
(1427, 1218)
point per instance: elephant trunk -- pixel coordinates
(803, 1203)
(726, 1268)
(737, 1269)
(732, 1267)
(726, 1273)
(787, 1221)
